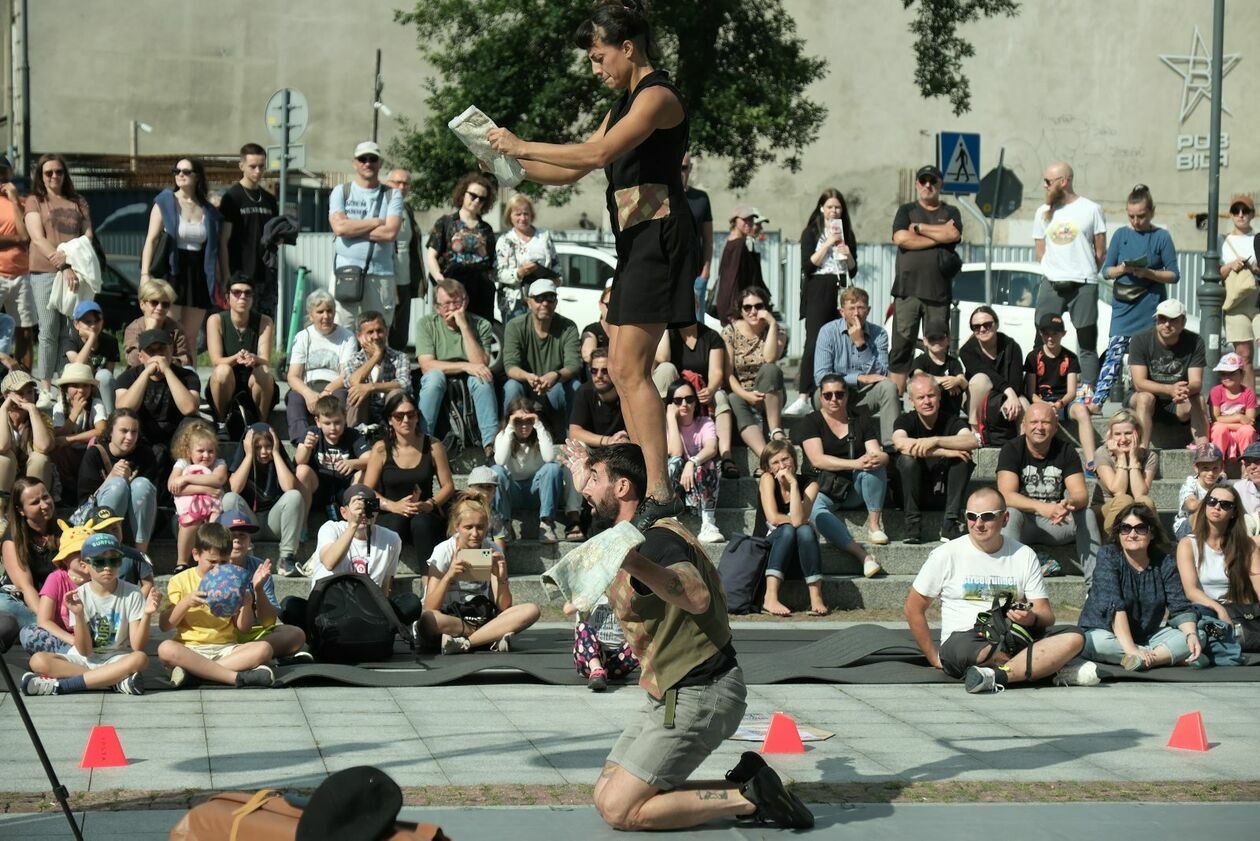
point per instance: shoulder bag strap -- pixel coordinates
(107, 463)
(380, 196)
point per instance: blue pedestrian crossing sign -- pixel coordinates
(959, 154)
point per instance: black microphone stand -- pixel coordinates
(8, 633)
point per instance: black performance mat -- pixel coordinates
(870, 654)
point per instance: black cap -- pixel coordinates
(1050, 321)
(348, 495)
(155, 337)
(357, 804)
(4, 163)
(932, 170)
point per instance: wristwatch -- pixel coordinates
(916, 228)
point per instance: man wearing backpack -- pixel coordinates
(366, 216)
(669, 600)
(969, 574)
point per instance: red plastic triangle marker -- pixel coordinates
(103, 749)
(1189, 733)
(782, 737)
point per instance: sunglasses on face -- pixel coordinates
(156, 303)
(1163, 319)
(1048, 181)
(108, 561)
(682, 401)
(49, 173)
(983, 516)
(476, 196)
(181, 171)
(983, 326)
(545, 299)
(1135, 528)
(754, 307)
(596, 372)
(829, 396)
(404, 416)
(241, 293)
(1240, 208)
(926, 180)
(1218, 502)
(368, 159)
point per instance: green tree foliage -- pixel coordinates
(740, 66)
(939, 51)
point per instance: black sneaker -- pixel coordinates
(651, 510)
(287, 568)
(297, 658)
(750, 762)
(775, 804)
(261, 677)
(914, 534)
(952, 530)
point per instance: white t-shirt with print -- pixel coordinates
(320, 355)
(109, 617)
(377, 557)
(459, 590)
(966, 579)
(1069, 237)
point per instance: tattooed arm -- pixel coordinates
(679, 584)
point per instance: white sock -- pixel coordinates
(708, 518)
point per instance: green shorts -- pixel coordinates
(704, 717)
(255, 633)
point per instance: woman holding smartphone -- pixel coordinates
(463, 613)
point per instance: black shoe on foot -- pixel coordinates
(261, 677)
(914, 534)
(952, 530)
(775, 804)
(750, 762)
(651, 510)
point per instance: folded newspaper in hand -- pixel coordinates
(471, 128)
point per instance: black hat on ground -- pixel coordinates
(357, 804)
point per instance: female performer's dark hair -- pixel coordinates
(615, 21)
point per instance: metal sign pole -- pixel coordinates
(282, 274)
(988, 244)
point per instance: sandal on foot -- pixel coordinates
(575, 533)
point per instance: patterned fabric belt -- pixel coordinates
(643, 203)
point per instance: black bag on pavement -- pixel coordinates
(1247, 622)
(351, 621)
(742, 569)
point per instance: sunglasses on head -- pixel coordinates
(829, 396)
(983, 516)
(682, 401)
(106, 561)
(1218, 502)
(1135, 528)
(368, 159)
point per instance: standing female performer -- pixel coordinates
(640, 145)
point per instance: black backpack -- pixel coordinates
(742, 569)
(352, 621)
(995, 430)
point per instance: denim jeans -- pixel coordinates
(105, 384)
(543, 487)
(867, 492)
(7, 328)
(433, 389)
(788, 541)
(17, 608)
(139, 498)
(1101, 645)
(559, 398)
(283, 521)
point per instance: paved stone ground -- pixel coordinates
(869, 822)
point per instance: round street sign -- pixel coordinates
(1011, 197)
(299, 115)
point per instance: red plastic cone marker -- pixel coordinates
(782, 737)
(1189, 733)
(103, 749)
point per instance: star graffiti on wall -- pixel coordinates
(1195, 69)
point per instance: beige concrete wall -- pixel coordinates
(1080, 81)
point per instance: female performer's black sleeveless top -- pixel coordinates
(657, 257)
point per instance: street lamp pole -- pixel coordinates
(377, 87)
(1212, 289)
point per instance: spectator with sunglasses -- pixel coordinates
(462, 245)
(240, 341)
(157, 298)
(995, 366)
(192, 224)
(693, 449)
(926, 232)
(967, 574)
(1218, 562)
(1167, 362)
(595, 421)
(755, 345)
(541, 356)
(1135, 586)
(366, 217)
(1238, 258)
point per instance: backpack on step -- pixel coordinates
(742, 569)
(352, 621)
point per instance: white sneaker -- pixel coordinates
(799, 406)
(46, 400)
(709, 533)
(1078, 673)
(504, 645)
(878, 537)
(871, 568)
(546, 532)
(455, 645)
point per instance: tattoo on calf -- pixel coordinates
(713, 795)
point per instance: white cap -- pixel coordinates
(745, 211)
(541, 287)
(367, 147)
(1172, 308)
(482, 475)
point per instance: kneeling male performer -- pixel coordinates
(671, 604)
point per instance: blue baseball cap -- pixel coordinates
(85, 307)
(100, 546)
(238, 521)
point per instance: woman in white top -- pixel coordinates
(1218, 561)
(314, 363)
(192, 224)
(519, 254)
(466, 614)
(1238, 254)
(524, 460)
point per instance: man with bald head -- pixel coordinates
(1070, 234)
(967, 574)
(933, 459)
(408, 274)
(1042, 480)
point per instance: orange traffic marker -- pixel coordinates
(103, 749)
(782, 737)
(1189, 733)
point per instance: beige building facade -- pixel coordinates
(1119, 88)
